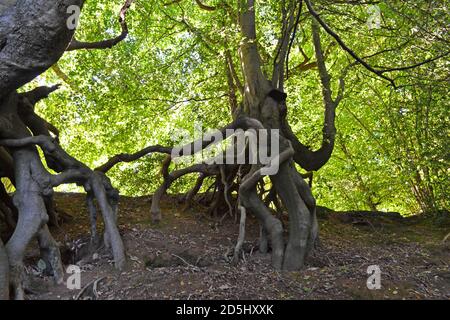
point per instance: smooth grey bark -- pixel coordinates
(109, 210)
(252, 202)
(72, 170)
(50, 254)
(263, 240)
(299, 217)
(7, 208)
(32, 216)
(33, 36)
(5, 4)
(265, 101)
(21, 131)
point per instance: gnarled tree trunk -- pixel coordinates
(33, 36)
(263, 108)
(265, 101)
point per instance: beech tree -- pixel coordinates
(252, 42)
(34, 35)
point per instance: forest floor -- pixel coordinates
(185, 257)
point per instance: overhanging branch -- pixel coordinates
(343, 45)
(379, 72)
(192, 148)
(314, 160)
(105, 44)
(204, 6)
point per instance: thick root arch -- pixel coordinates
(32, 200)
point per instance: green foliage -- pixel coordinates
(392, 147)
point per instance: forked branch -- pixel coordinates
(379, 72)
(109, 43)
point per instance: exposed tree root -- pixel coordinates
(50, 254)
(226, 195)
(170, 178)
(34, 186)
(263, 240)
(299, 218)
(29, 46)
(194, 191)
(31, 179)
(205, 169)
(294, 192)
(91, 285)
(241, 237)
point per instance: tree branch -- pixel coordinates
(105, 44)
(233, 72)
(46, 143)
(192, 148)
(204, 6)
(314, 160)
(64, 77)
(379, 72)
(294, 32)
(39, 93)
(289, 23)
(344, 46)
(415, 65)
(252, 178)
(125, 157)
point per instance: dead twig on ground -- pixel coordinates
(94, 284)
(187, 263)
